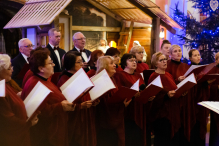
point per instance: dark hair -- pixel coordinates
(165, 42)
(124, 58)
(94, 56)
(38, 58)
(52, 30)
(191, 51)
(70, 59)
(112, 51)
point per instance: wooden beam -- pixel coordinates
(130, 36)
(151, 14)
(124, 33)
(155, 33)
(105, 10)
(96, 28)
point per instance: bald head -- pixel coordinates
(79, 40)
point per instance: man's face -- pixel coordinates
(26, 47)
(55, 38)
(79, 41)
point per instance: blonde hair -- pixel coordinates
(173, 47)
(102, 63)
(4, 61)
(155, 58)
(216, 55)
(135, 49)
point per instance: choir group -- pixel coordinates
(174, 121)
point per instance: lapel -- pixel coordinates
(53, 56)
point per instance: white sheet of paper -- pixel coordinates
(76, 85)
(212, 105)
(190, 78)
(142, 75)
(135, 86)
(102, 84)
(2, 88)
(192, 68)
(157, 82)
(35, 98)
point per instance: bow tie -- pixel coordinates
(82, 51)
(56, 48)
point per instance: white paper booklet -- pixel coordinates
(190, 78)
(35, 98)
(135, 86)
(212, 105)
(192, 68)
(76, 85)
(102, 84)
(142, 75)
(156, 82)
(2, 88)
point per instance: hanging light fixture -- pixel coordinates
(162, 33)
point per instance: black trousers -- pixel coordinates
(214, 135)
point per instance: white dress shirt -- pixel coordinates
(25, 57)
(84, 55)
(57, 54)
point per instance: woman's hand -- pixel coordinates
(181, 78)
(151, 98)
(96, 102)
(86, 104)
(67, 106)
(171, 93)
(211, 81)
(126, 103)
(35, 119)
(137, 94)
(19, 94)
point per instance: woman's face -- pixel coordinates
(116, 59)
(48, 69)
(195, 57)
(111, 69)
(162, 62)
(217, 60)
(6, 73)
(131, 63)
(78, 63)
(139, 55)
(166, 49)
(176, 54)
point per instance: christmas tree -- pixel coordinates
(203, 35)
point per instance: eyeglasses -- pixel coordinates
(81, 39)
(29, 46)
(162, 60)
(51, 63)
(132, 60)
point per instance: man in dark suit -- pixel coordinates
(79, 42)
(56, 53)
(18, 63)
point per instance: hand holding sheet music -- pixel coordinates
(75, 86)
(185, 85)
(151, 90)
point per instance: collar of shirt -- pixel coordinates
(78, 49)
(25, 57)
(51, 46)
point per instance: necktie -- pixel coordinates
(82, 51)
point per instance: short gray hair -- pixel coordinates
(52, 30)
(21, 41)
(73, 37)
(4, 61)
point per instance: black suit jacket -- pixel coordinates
(88, 53)
(53, 56)
(18, 63)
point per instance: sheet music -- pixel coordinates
(135, 86)
(212, 105)
(190, 78)
(157, 82)
(35, 98)
(192, 68)
(76, 85)
(2, 88)
(102, 84)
